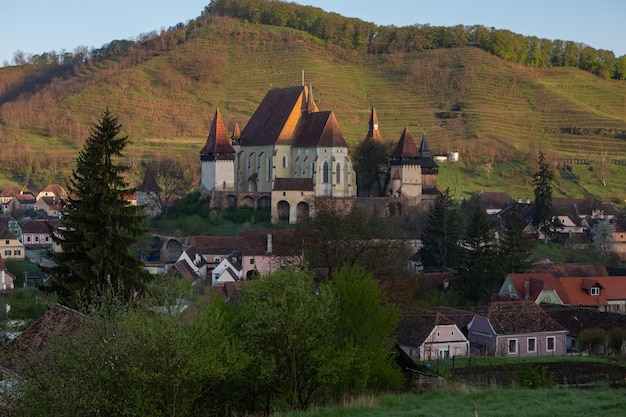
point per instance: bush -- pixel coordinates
(594, 340)
(534, 377)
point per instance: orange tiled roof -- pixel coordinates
(217, 142)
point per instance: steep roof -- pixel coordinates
(406, 147)
(218, 142)
(575, 319)
(320, 129)
(416, 325)
(424, 150)
(570, 269)
(56, 189)
(373, 132)
(530, 285)
(30, 346)
(518, 317)
(149, 183)
(269, 123)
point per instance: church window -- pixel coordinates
(267, 168)
(325, 173)
(284, 161)
(338, 173)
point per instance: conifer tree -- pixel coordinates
(544, 218)
(515, 249)
(441, 235)
(98, 226)
(479, 270)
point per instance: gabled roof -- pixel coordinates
(517, 317)
(185, 270)
(5, 234)
(36, 226)
(56, 189)
(575, 319)
(218, 142)
(416, 325)
(293, 184)
(10, 191)
(215, 245)
(320, 129)
(529, 286)
(374, 133)
(495, 199)
(59, 321)
(460, 317)
(270, 242)
(406, 147)
(276, 117)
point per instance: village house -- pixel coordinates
(426, 335)
(50, 206)
(36, 233)
(604, 293)
(10, 246)
(516, 328)
(7, 280)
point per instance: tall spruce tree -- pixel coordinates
(544, 218)
(99, 226)
(479, 270)
(515, 249)
(441, 235)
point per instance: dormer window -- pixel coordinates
(594, 291)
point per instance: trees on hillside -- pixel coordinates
(99, 226)
(338, 235)
(544, 218)
(479, 270)
(441, 235)
(371, 163)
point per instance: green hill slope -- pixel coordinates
(496, 114)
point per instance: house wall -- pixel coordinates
(11, 249)
(266, 264)
(542, 344)
(481, 335)
(6, 281)
(445, 341)
(36, 239)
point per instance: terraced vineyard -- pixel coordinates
(498, 115)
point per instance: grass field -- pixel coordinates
(461, 401)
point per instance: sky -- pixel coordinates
(38, 26)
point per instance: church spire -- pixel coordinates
(373, 132)
(217, 142)
(424, 150)
(310, 102)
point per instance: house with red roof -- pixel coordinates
(36, 233)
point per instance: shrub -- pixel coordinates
(534, 377)
(594, 340)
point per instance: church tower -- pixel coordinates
(430, 170)
(406, 171)
(218, 159)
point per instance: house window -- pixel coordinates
(7, 252)
(251, 261)
(28, 238)
(6, 242)
(444, 354)
(325, 173)
(532, 344)
(512, 348)
(17, 252)
(550, 343)
(36, 238)
(47, 238)
(595, 291)
(216, 259)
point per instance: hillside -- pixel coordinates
(496, 114)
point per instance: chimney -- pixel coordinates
(269, 243)
(526, 288)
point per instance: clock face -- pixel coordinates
(375, 126)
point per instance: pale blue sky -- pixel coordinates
(37, 26)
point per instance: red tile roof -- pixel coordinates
(406, 147)
(520, 317)
(374, 132)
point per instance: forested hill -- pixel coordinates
(165, 87)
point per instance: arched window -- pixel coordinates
(268, 168)
(325, 173)
(284, 161)
(338, 174)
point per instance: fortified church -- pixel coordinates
(290, 152)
